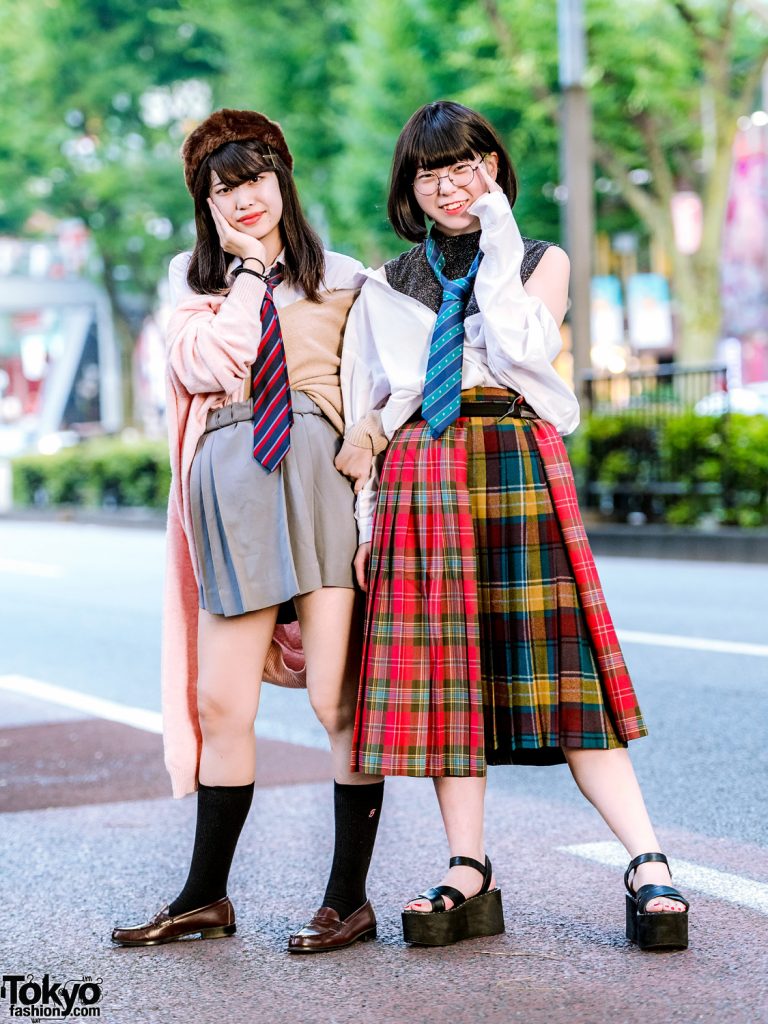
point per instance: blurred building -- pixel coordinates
(59, 362)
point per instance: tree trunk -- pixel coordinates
(696, 287)
(126, 344)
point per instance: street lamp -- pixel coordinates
(576, 173)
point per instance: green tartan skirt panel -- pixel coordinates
(476, 650)
(541, 685)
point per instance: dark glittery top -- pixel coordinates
(411, 273)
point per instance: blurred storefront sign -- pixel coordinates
(607, 311)
(649, 312)
(608, 350)
(687, 221)
(744, 261)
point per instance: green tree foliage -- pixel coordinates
(96, 99)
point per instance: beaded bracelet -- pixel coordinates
(247, 270)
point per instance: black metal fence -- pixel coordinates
(654, 395)
(628, 472)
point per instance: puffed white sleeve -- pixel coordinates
(519, 327)
(365, 389)
(520, 334)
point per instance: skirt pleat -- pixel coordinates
(422, 624)
(262, 538)
(476, 649)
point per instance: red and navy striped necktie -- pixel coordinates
(272, 412)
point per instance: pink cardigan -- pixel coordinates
(210, 348)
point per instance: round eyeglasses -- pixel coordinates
(426, 183)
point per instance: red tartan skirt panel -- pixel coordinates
(476, 649)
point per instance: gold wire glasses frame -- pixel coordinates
(426, 183)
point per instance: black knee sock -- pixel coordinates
(357, 810)
(221, 814)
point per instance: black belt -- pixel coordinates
(517, 408)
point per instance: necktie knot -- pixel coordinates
(275, 276)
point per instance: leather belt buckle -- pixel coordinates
(514, 408)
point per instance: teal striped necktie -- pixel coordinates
(442, 389)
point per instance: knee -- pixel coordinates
(219, 718)
(335, 716)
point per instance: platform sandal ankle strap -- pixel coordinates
(643, 858)
(486, 870)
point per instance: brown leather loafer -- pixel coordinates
(214, 921)
(326, 931)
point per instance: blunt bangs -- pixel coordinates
(438, 141)
(237, 162)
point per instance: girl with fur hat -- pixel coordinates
(487, 638)
(261, 526)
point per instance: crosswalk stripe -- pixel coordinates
(692, 643)
(745, 892)
(139, 718)
(19, 568)
(149, 721)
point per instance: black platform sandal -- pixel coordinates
(662, 929)
(467, 919)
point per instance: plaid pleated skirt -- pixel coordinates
(487, 638)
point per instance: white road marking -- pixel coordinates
(20, 568)
(150, 721)
(139, 718)
(692, 643)
(745, 892)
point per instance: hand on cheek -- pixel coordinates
(232, 241)
(491, 185)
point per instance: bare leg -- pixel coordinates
(231, 655)
(332, 650)
(462, 805)
(607, 779)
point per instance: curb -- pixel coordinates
(140, 518)
(726, 544)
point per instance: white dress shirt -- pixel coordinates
(509, 343)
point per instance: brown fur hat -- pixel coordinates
(230, 126)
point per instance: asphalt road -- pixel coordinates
(80, 609)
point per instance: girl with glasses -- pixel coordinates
(487, 639)
(260, 524)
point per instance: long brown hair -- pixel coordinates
(235, 163)
(437, 135)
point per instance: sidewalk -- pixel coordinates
(71, 873)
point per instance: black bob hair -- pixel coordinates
(437, 135)
(235, 163)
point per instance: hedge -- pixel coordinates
(688, 470)
(103, 473)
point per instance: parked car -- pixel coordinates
(751, 400)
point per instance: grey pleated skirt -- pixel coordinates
(263, 538)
